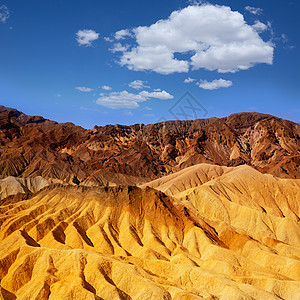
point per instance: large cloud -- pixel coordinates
(125, 99)
(214, 38)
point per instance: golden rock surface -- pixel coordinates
(206, 232)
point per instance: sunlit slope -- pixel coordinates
(13, 185)
(187, 178)
(260, 205)
(132, 243)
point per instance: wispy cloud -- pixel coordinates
(259, 26)
(86, 37)
(4, 13)
(83, 89)
(215, 84)
(254, 10)
(106, 87)
(189, 80)
(138, 84)
(216, 37)
(121, 34)
(118, 47)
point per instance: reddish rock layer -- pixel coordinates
(34, 146)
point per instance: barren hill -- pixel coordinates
(203, 209)
(115, 154)
(233, 234)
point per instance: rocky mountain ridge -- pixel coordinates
(117, 154)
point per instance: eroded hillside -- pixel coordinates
(215, 233)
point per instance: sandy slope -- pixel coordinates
(13, 185)
(222, 233)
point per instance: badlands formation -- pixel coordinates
(204, 209)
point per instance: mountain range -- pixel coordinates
(202, 209)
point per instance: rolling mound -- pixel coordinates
(208, 241)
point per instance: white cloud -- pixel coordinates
(138, 84)
(106, 87)
(197, 2)
(108, 39)
(156, 90)
(259, 26)
(4, 13)
(83, 89)
(118, 47)
(121, 34)
(189, 80)
(254, 10)
(162, 95)
(215, 37)
(120, 100)
(284, 38)
(215, 84)
(125, 99)
(86, 37)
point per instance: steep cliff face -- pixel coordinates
(115, 154)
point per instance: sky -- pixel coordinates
(125, 62)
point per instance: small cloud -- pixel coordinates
(83, 89)
(291, 47)
(121, 34)
(58, 95)
(86, 37)
(157, 90)
(215, 84)
(197, 2)
(163, 95)
(189, 80)
(4, 13)
(284, 38)
(106, 87)
(108, 39)
(128, 113)
(122, 99)
(117, 47)
(148, 108)
(254, 10)
(125, 99)
(138, 84)
(259, 26)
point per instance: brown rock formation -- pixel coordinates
(115, 154)
(214, 227)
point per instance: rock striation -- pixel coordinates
(225, 233)
(115, 154)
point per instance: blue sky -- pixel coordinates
(106, 62)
